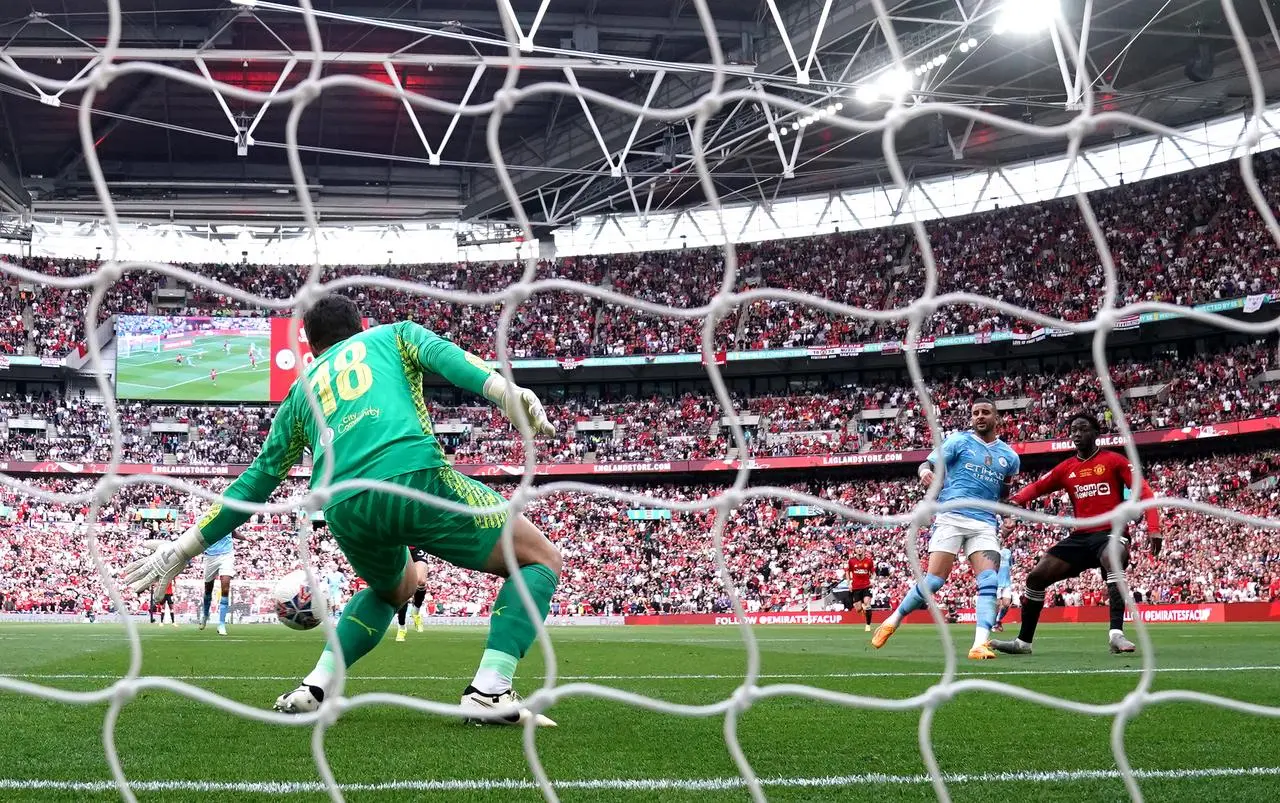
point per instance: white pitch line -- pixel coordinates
(198, 378)
(633, 784)
(765, 676)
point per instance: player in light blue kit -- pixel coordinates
(1004, 588)
(976, 464)
(219, 564)
(337, 582)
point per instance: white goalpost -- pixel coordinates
(900, 108)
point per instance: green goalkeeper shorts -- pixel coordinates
(374, 528)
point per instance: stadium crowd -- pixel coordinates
(1187, 238)
(1167, 392)
(617, 565)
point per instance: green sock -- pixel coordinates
(364, 622)
(511, 628)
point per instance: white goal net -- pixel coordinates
(901, 109)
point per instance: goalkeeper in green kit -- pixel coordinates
(376, 426)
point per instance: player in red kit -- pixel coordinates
(213, 375)
(1095, 480)
(861, 568)
(166, 598)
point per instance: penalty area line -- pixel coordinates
(634, 784)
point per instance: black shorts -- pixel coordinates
(1084, 552)
(857, 595)
(166, 599)
(418, 554)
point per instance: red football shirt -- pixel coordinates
(1096, 486)
(860, 571)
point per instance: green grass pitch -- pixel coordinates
(806, 750)
(150, 375)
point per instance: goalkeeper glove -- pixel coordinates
(165, 560)
(509, 398)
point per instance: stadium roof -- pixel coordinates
(170, 151)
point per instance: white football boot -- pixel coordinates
(485, 709)
(302, 700)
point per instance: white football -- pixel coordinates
(296, 606)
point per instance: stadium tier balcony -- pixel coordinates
(1187, 238)
(614, 564)
(1161, 393)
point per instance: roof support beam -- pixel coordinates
(597, 63)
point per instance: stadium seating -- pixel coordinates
(616, 565)
(1188, 238)
(1207, 389)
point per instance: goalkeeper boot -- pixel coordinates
(417, 621)
(981, 653)
(883, 632)
(302, 700)
(1120, 644)
(1014, 647)
(482, 709)
(400, 633)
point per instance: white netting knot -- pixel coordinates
(743, 697)
(895, 117)
(109, 272)
(938, 695)
(308, 294)
(106, 487)
(521, 497)
(1106, 318)
(329, 711)
(315, 501)
(518, 293)
(922, 516)
(1127, 512)
(505, 99)
(730, 499)
(1080, 127)
(1252, 135)
(708, 106)
(123, 691)
(307, 91)
(1132, 704)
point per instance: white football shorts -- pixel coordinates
(961, 535)
(216, 566)
(1005, 592)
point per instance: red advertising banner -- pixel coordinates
(1232, 429)
(1151, 614)
(284, 360)
(1207, 613)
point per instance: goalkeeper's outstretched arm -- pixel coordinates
(282, 448)
(467, 371)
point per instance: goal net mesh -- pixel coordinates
(898, 113)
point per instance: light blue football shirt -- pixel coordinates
(974, 469)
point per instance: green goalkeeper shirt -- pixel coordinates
(375, 424)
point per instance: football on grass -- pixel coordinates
(296, 606)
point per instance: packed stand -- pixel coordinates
(1170, 393)
(1185, 239)
(616, 565)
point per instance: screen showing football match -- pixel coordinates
(207, 359)
(201, 359)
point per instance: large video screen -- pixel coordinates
(204, 359)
